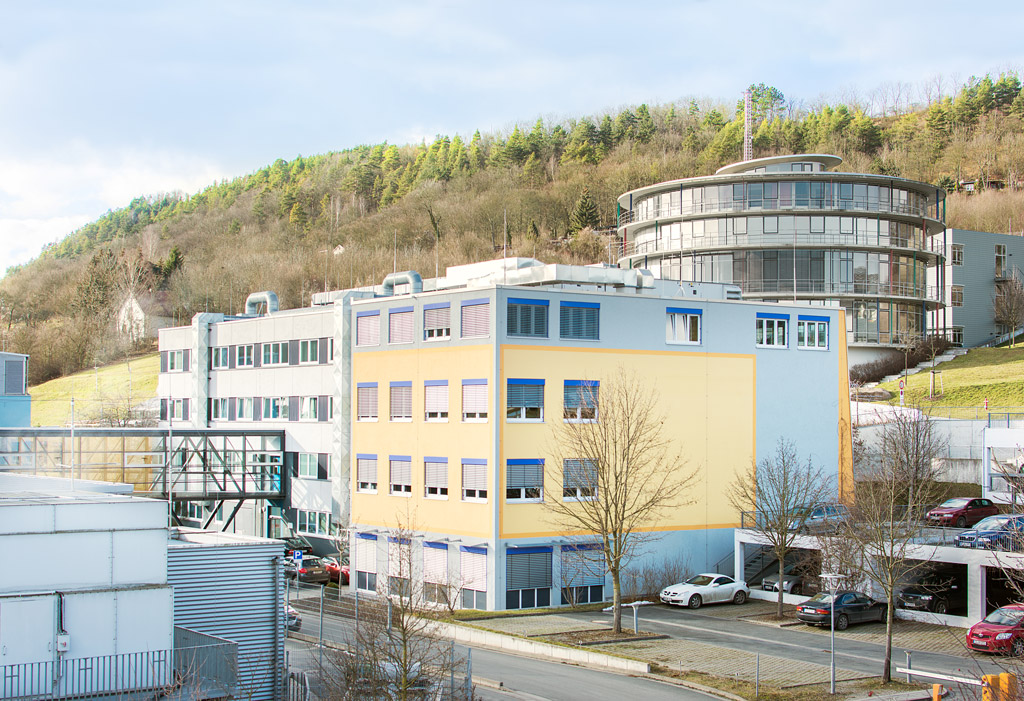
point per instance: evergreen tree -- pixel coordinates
(537, 140)
(516, 149)
(583, 144)
(584, 213)
(476, 153)
(644, 124)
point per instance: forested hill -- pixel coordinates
(341, 215)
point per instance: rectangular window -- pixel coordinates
(435, 477)
(580, 320)
(219, 357)
(474, 479)
(244, 356)
(312, 522)
(308, 408)
(956, 335)
(683, 325)
(275, 408)
(580, 399)
(399, 567)
(176, 361)
(309, 351)
(528, 579)
(437, 321)
(583, 572)
(524, 480)
(178, 409)
(473, 567)
(812, 332)
(366, 401)
(771, 330)
(308, 465)
(401, 401)
(956, 255)
(366, 473)
(956, 296)
(243, 408)
(474, 400)
(219, 409)
(436, 587)
(1001, 260)
(366, 561)
(528, 317)
(579, 479)
(275, 353)
(368, 328)
(400, 325)
(436, 400)
(400, 482)
(525, 400)
(476, 318)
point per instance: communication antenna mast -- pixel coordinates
(748, 118)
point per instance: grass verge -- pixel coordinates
(97, 392)
(995, 374)
(811, 692)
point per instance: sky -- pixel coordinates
(101, 102)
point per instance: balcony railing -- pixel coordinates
(646, 246)
(204, 671)
(930, 293)
(813, 204)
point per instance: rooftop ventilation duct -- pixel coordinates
(410, 277)
(267, 298)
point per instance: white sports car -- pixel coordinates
(707, 588)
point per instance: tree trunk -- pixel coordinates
(782, 572)
(887, 670)
(616, 603)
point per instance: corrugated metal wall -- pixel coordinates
(236, 592)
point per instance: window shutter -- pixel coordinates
(401, 401)
(257, 355)
(186, 360)
(582, 566)
(291, 463)
(231, 357)
(293, 408)
(366, 552)
(476, 318)
(366, 400)
(163, 409)
(401, 469)
(580, 393)
(368, 329)
(322, 466)
(400, 325)
(321, 408)
(474, 397)
(436, 318)
(527, 319)
(579, 474)
(257, 408)
(525, 395)
(437, 397)
(435, 563)
(322, 351)
(525, 473)
(14, 377)
(435, 472)
(293, 352)
(580, 320)
(366, 470)
(232, 408)
(163, 361)
(186, 416)
(529, 570)
(399, 559)
(474, 570)
(474, 475)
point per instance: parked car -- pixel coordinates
(705, 588)
(822, 518)
(311, 571)
(791, 583)
(337, 568)
(851, 607)
(961, 512)
(1003, 532)
(938, 591)
(297, 542)
(1001, 631)
(294, 619)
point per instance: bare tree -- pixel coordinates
(1008, 305)
(620, 472)
(896, 488)
(776, 493)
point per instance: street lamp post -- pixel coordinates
(832, 581)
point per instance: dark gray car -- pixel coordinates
(310, 570)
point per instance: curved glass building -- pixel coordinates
(788, 228)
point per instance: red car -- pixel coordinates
(1001, 631)
(337, 569)
(962, 512)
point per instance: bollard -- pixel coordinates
(1008, 685)
(908, 667)
(990, 687)
(321, 655)
(636, 623)
(757, 676)
(937, 692)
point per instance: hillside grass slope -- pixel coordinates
(995, 374)
(103, 395)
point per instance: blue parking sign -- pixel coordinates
(297, 555)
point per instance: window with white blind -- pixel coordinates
(436, 400)
(474, 479)
(524, 480)
(476, 318)
(366, 473)
(368, 328)
(527, 317)
(525, 400)
(580, 320)
(366, 561)
(399, 566)
(474, 400)
(400, 325)
(473, 577)
(528, 578)
(366, 401)
(683, 325)
(579, 479)
(308, 408)
(243, 409)
(435, 477)
(437, 321)
(400, 481)
(219, 409)
(401, 401)
(580, 398)
(436, 587)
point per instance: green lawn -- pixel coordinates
(96, 392)
(996, 374)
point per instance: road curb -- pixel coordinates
(693, 686)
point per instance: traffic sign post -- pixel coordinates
(901, 392)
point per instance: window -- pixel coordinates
(956, 296)
(580, 320)
(581, 399)
(474, 479)
(275, 353)
(312, 522)
(812, 332)
(366, 473)
(436, 400)
(275, 408)
(956, 335)
(243, 408)
(473, 562)
(524, 480)
(476, 318)
(366, 401)
(474, 400)
(401, 401)
(579, 479)
(176, 361)
(956, 254)
(399, 567)
(437, 321)
(435, 573)
(178, 411)
(314, 465)
(583, 573)
(400, 325)
(528, 317)
(401, 475)
(771, 330)
(309, 351)
(528, 578)
(525, 400)
(219, 357)
(1000, 260)
(435, 471)
(683, 325)
(366, 561)
(368, 328)
(244, 356)
(308, 408)
(219, 409)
